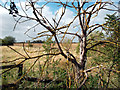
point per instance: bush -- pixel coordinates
(1, 41)
(30, 44)
(8, 40)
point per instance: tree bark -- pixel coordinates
(83, 56)
(82, 61)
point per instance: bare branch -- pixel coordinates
(12, 60)
(61, 16)
(79, 15)
(98, 51)
(22, 8)
(42, 36)
(26, 71)
(32, 28)
(85, 79)
(43, 32)
(17, 52)
(97, 26)
(47, 27)
(25, 50)
(16, 23)
(28, 59)
(100, 42)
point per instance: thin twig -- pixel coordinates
(25, 50)
(16, 51)
(16, 23)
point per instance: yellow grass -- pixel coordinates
(9, 55)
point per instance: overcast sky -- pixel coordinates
(7, 22)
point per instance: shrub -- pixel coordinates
(8, 40)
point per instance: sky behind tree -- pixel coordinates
(7, 21)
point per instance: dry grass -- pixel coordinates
(8, 55)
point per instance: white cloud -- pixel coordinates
(4, 1)
(102, 14)
(47, 12)
(8, 22)
(68, 16)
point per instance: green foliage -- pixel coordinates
(9, 77)
(110, 56)
(37, 41)
(47, 45)
(78, 48)
(97, 35)
(30, 44)
(1, 42)
(8, 40)
(114, 36)
(93, 81)
(112, 27)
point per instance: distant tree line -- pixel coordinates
(38, 41)
(8, 40)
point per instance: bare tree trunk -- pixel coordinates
(82, 41)
(82, 61)
(83, 57)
